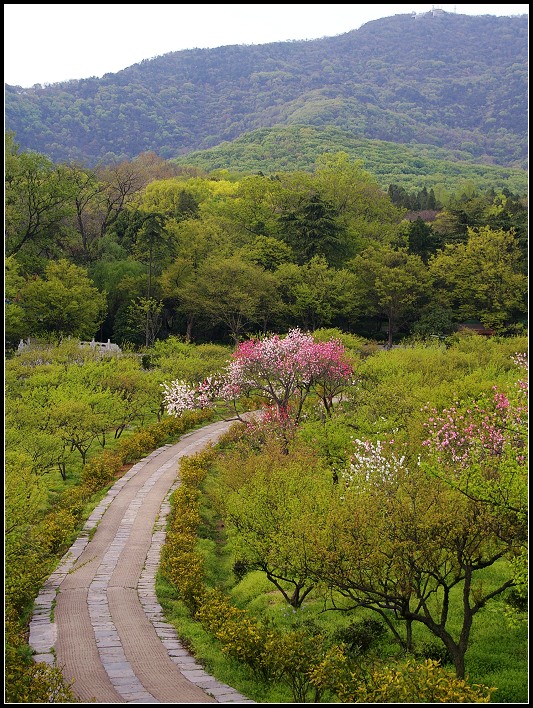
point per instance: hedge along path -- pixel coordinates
(97, 617)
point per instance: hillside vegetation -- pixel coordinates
(445, 80)
(413, 167)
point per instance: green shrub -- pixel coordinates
(433, 651)
(293, 655)
(193, 470)
(56, 530)
(136, 447)
(185, 570)
(241, 637)
(405, 682)
(100, 471)
(360, 636)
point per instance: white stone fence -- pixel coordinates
(101, 347)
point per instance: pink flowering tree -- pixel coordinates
(481, 448)
(283, 371)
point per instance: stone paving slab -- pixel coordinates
(124, 668)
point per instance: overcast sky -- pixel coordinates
(49, 43)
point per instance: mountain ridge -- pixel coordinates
(452, 81)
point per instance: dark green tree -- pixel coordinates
(422, 240)
(312, 229)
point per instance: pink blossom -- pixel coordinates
(284, 370)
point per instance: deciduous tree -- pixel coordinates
(64, 303)
(482, 279)
(394, 282)
(271, 516)
(408, 545)
(38, 197)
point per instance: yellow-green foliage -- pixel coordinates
(193, 470)
(56, 529)
(181, 564)
(241, 636)
(190, 362)
(40, 683)
(100, 471)
(292, 656)
(185, 516)
(394, 386)
(140, 444)
(21, 577)
(406, 682)
(25, 681)
(332, 672)
(354, 344)
(413, 682)
(185, 570)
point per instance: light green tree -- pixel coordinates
(272, 515)
(394, 283)
(64, 302)
(39, 196)
(482, 278)
(366, 211)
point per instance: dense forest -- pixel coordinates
(144, 249)
(450, 81)
(411, 166)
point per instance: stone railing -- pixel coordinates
(102, 347)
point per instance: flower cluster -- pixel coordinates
(373, 462)
(179, 396)
(456, 433)
(273, 422)
(295, 360)
(521, 360)
(459, 434)
(282, 370)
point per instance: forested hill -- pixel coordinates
(446, 80)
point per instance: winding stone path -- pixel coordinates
(97, 616)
